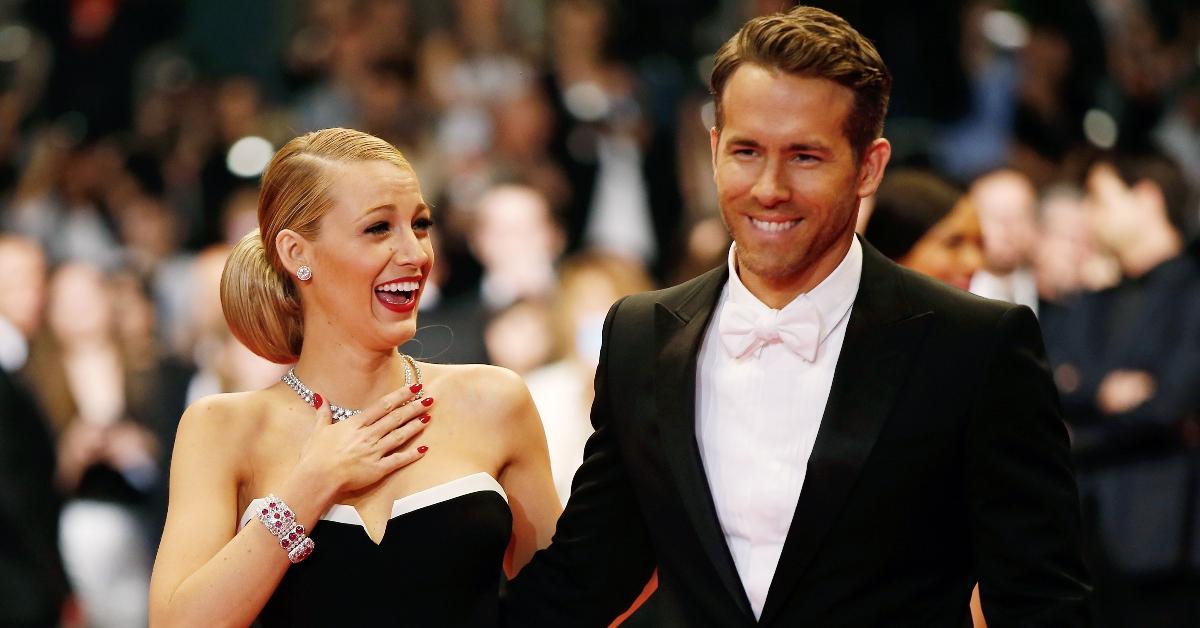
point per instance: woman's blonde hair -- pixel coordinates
(258, 295)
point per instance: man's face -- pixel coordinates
(787, 179)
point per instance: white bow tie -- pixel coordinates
(744, 328)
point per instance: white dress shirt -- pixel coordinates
(757, 419)
(1018, 287)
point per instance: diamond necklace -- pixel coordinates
(339, 413)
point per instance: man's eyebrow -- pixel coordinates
(794, 147)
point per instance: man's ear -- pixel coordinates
(871, 168)
(294, 251)
(714, 140)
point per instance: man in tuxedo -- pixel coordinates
(809, 434)
(33, 583)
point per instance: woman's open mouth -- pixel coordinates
(399, 295)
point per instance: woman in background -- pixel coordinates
(922, 222)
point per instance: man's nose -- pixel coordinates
(770, 188)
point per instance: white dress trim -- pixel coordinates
(343, 513)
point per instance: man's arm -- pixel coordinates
(601, 554)
(1023, 501)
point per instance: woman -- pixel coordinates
(924, 223)
(413, 527)
(96, 388)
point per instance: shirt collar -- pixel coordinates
(832, 297)
(14, 349)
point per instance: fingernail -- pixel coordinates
(428, 401)
(317, 401)
(422, 449)
(415, 388)
(425, 419)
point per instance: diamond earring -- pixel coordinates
(304, 273)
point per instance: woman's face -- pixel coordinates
(952, 250)
(371, 257)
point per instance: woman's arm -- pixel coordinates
(209, 574)
(526, 476)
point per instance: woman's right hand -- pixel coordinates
(362, 449)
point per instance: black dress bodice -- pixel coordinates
(439, 564)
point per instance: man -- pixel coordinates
(811, 435)
(33, 585)
(1007, 205)
(1127, 362)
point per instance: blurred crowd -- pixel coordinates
(1045, 153)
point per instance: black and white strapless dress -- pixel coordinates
(439, 563)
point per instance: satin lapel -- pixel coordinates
(679, 330)
(881, 338)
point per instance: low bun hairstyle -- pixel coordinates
(260, 300)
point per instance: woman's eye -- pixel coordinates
(423, 224)
(379, 227)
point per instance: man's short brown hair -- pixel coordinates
(813, 42)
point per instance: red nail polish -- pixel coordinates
(428, 401)
(425, 418)
(422, 449)
(415, 388)
(317, 401)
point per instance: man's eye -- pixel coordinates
(743, 152)
(379, 227)
(802, 158)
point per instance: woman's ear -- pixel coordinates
(294, 251)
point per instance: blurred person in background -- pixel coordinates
(61, 199)
(33, 584)
(602, 137)
(1006, 203)
(88, 383)
(589, 283)
(331, 282)
(515, 237)
(1068, 261)
(519, 337)
(223, 364)
(517, 240)
(923, 222)
(1127, 364)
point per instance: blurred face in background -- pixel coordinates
(952, 250)
(515, 235)
(80, 307)
(1007, 206)
(1116, 210)
(1068, 260)
(22, 283)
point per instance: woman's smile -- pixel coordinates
(399, 295)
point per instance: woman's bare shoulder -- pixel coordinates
(496, 392)
(224, 416)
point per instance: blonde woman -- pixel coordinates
(344, 495)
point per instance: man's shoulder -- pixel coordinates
(683, 296)
(951, 305)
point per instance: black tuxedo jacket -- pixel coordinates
(33, 583)
(941, 460)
